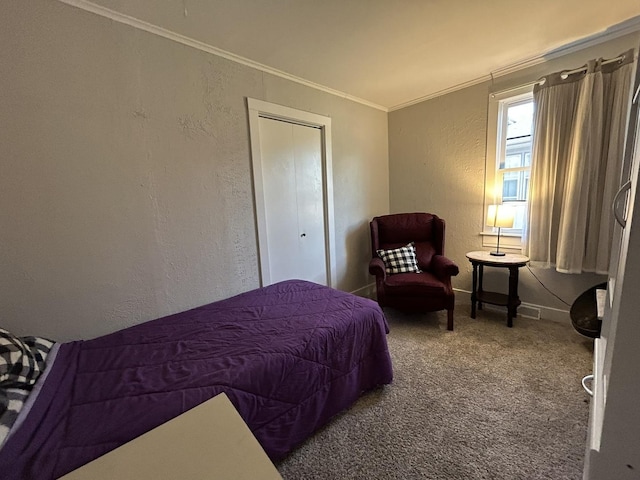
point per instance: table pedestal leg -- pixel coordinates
(480, 276)
(473, 289)
(513, 301)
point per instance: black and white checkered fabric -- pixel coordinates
(400, 260)
(11, 403)
(22, 359)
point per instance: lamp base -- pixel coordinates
(497, 254)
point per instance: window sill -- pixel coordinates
(508, 241)
(494, 234)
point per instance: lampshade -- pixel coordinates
(500, 216)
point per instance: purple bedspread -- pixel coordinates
(289, 356)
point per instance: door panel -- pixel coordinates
(294, 206)
(280, 198)
(308, 165)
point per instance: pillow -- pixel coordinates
(22, 359)
(11, 402)
(400, 260)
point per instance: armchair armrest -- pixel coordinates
(443, 267)
(376, 267)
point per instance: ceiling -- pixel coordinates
(385, 52)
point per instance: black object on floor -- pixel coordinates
(584, 312)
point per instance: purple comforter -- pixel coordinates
(289, 356)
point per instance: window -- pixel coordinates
(513, 160)
(509, 142)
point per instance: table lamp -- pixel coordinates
(500, 216)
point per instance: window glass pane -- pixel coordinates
(513, 161)
(510, 182)
(519, 215)
(519, 120)
(518, 153)
(515, 185)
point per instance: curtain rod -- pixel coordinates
(564, 75)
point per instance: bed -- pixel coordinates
(290, 356)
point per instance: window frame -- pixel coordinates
(496, 132)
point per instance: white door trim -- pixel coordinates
(257, 109)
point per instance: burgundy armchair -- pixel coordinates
(427, 291)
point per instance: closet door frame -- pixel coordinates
(259, 108)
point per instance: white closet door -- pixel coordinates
(294, 206)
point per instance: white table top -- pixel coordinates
(508, 259)
(209, 441)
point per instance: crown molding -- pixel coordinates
(197, 44)
(625, 28)
(630, 26)
(439, 93)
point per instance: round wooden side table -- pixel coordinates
(513, 262)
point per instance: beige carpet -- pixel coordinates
(482, 402)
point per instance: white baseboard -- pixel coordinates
(528, 310)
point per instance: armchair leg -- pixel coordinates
(450, 319)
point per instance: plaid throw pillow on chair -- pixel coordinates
(400, 260)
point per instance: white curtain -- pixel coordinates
(578, 142)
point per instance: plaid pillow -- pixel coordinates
(11, 402)
(22, 360)
(400, 260)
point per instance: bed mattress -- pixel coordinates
(289, 356)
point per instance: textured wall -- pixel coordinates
(125, 173)
(437, 152)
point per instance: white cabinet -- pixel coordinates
(613, 442)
